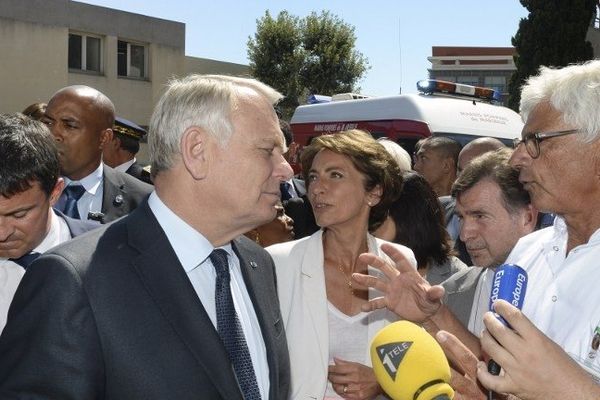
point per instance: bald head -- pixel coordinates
(81, 120)
(99, 106)
(476, 148)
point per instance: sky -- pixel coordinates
(396, 36)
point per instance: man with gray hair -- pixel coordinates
(172, 301)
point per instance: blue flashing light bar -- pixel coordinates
(430, 86)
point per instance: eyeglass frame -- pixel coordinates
(537, 137)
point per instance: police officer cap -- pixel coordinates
(128, 128)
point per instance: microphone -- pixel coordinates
(510, 284)
(409, 364)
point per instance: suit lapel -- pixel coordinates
(113, 204)
(313, 284)
(171, 289)
(257, 271)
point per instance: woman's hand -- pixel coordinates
(353, 380)
(405, 291)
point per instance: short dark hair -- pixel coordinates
(370, 158)
(128, 143)
(494, 165)
(29, 155)
(419, 221)
(449, 147)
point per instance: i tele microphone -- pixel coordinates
(409, 364)
(510, 284)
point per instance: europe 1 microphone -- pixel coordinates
(510, 284)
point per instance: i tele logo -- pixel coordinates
(391, 355)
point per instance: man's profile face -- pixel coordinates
(429, 163)
(77, 128)
(562, 178)
(24, 220)
(488, 230)
(250, 167)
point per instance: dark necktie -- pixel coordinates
(74, 193)
(26, 260)
(230, 329)
(285, 189)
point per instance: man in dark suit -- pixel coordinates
(81, 120)
(120, 150)
(29, 185)
(169, 302)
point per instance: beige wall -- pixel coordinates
(33, 63)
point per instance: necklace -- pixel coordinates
(348, 278)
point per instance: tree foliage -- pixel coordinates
(298, 57)
(553, 34)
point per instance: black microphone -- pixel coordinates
(510, 284)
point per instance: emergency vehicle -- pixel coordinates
(459, 111)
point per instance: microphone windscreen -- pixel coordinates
(409, 364)
(510, 284)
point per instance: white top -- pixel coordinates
(193, 251)
(11, 272)
(303, 302)
(125, 166)
(562, 298)
(481, 302)
(348, 340)
(91, 200)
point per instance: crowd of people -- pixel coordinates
(216, 273)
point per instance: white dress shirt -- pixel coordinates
(563, 293)
(193, 251)
(125, 166)
(11, 272)
(91, 200)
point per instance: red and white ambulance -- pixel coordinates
(458, 111)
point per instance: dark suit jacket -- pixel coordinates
(77, 226)
(137, 171)
(113, 315)
(122, 194)
(300, 210)
(460, 292)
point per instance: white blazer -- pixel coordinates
(303, 301)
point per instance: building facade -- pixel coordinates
(490, 67)
(48, 44)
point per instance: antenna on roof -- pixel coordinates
(400, 54)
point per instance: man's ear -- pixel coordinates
(106, 136)
(56, 191)
(530, 218)
(196, 145)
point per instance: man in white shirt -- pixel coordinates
(81, 119)
(30, 184)
(171, 301)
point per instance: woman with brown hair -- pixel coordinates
(352, 180)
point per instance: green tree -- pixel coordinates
(276, 55)
(302, 56)
(553, 34)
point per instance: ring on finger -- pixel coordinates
(345, 389)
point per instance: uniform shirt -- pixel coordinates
(125, 166)
(193, 251)
(91, 200)
(11, 272)
(563, 292)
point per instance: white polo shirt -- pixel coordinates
(563, 295)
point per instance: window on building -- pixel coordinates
(132, 59)
(85, 52)
(468, 80)
(497, 83)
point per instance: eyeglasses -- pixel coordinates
(532, 140)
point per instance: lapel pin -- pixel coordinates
(253, 264)
(118, 200)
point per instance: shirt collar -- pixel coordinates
(125, 166)
(190, 246)
(90, 183)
